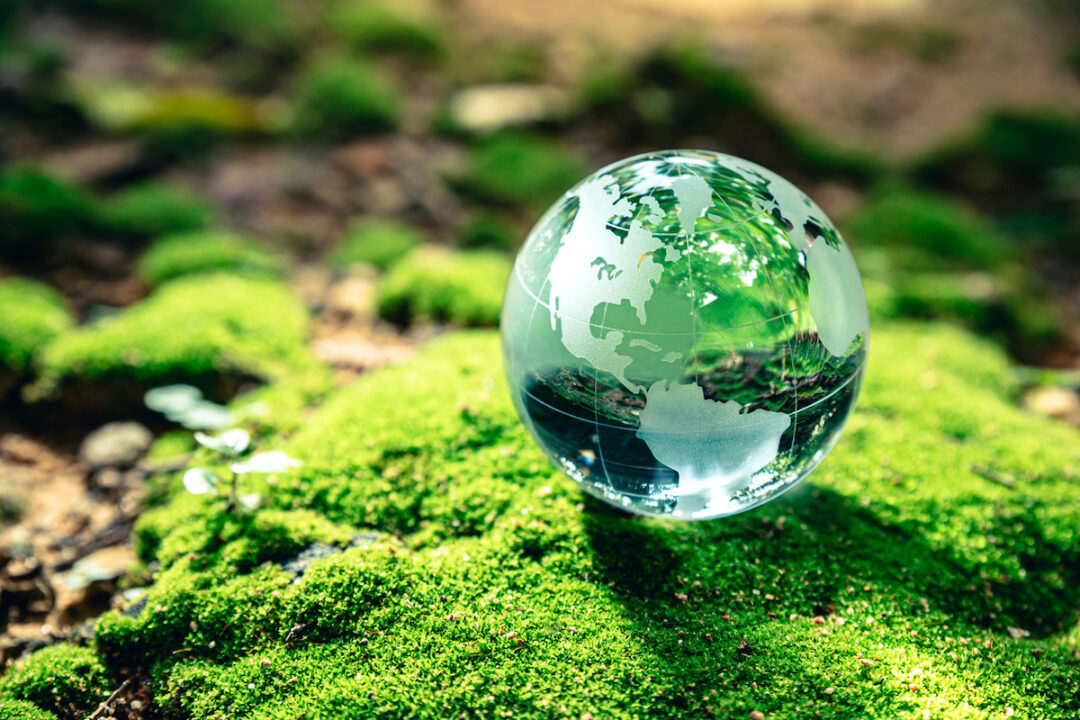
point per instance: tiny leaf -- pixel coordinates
(200, 481)
(230, 442)
(274, 461)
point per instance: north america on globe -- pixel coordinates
(685, 332)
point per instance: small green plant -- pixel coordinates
(340, 96)
(377, 242)
(230, 445)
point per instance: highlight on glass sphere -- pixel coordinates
(685, 334)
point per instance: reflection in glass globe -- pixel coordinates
(685, 334)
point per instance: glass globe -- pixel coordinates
(685, 334)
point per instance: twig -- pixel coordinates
(994, 477)
(109, 701)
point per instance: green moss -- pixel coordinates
(463, 287)
(933, 232)
(487, 229)
(189, 253)
(938, 523)
(37, 208)
(522, 169)
(23, 710)
(69, 681)
(683, 90)
(152, 208)
(339, 97)
(33, 315)
(253, 23)
(386, 27)
(189, 328)
(925, 255)
(377, 242)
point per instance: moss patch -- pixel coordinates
(190, 328)
(377, 242)
(37, 208)
(925, 255)
(153, 209)
(66, 680)
(339, 97)
(386, 26)
(33, 314)
(206, 251)
(459, 287)
(928, 566)
(23, 710)
(521, 169)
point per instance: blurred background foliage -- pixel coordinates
(398, 152)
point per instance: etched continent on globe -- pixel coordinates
(685, 334)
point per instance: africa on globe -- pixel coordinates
(685, 334)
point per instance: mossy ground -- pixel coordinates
(33, 314)
(902, 580)
(191, 253)
(190, 329)
(463, 287)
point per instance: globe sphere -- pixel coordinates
(685, 334)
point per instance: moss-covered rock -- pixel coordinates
(203, 251)
(33, 314)
(433, 283)
(376, 242)
(66, 680)
(191, 328)
(36, 208)
(341, 96)
(152, 208)
(927, 567)
(521, 169)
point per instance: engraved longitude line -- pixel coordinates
(596, 414)
(787, 343)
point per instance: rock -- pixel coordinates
(116, 445)
(484, 108)
(315, 551)
(353, 297)
(1057, 402)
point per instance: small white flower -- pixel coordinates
(230, 442)
(274, 461)
(200, 481)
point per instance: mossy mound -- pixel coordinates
(341, 96)
(191, 253)
(37, 208)
(925, 255)
(496, 170)
(927, 568)
(33, 314)
(386, 26)
(152, 208)
(459, 287)
(23, 710)
(189, 329)
(376, 242)
(66, 680)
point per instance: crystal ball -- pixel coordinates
(685, 334)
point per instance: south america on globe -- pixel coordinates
(685, 334)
